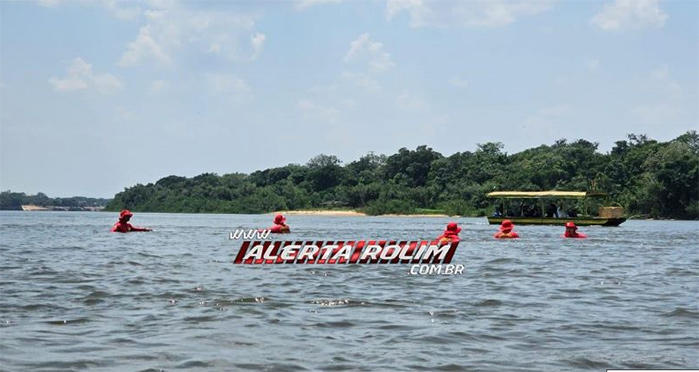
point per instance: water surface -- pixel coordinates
(76, 297)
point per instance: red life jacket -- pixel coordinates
(124, 227)
(504, 235)
(280, 229)
(448, 237)
(577, 235)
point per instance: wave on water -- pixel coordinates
(681, 312)
(175, 301)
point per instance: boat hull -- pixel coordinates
(579, 221)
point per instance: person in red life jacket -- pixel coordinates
(572, 231)
(280, 226)
(451, 234)
(506, 231)
(123, 226)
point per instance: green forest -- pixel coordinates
(14, 200)
(650, 179)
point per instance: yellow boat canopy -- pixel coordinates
(544, 194)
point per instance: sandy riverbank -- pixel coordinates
(416, 215)
(322, 213)
(350, 214)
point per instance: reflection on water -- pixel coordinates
(75, 297)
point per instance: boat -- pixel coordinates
(540, 214)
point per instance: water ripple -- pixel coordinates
(172, 300)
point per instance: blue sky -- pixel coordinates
(98, 96)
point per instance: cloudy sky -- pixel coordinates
(98, 96)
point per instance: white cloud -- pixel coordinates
(371, 52)
(106, 83)
(157, 86)
(323, 89)
(409, 102)
(362, 81)
(473, 13)
(161, 4)
(629, 14)
(458, 82)
(144, 48)
(79, 76)
(172, 28)
(312, 111)
(349, 103)
(661, 81)
(121, 12)
(303, 4)
(69, 84)
(230, 86)
(256, 42)
(123, 114)
(215, 48)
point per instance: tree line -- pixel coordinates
(647, 177)
(14, 200)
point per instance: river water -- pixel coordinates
(76, 297)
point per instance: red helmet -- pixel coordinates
(506, 225)
(279, 219)
(571, 225)
(125, 213)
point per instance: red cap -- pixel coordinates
(125, 213)
(570, 224)
(279, 219)
(506, 225)
(452, 226)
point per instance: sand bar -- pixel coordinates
(352, 214)
(323, 213)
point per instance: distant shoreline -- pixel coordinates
(53, 208)
(350, 213)
(321, 213)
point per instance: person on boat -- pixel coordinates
(450, 235)
(572, 231)
(552, 211)
(280, 226)
(560, 212)
(123, 226)
(506, 231)
(572, 212)
(524, 210)
(536, 211)
(497, 212)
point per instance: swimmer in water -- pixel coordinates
(572, 231)
(450, 235)
(123, 226)
(506, 231)
(280, 226)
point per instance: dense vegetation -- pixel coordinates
(14, 200)
(647, 177)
